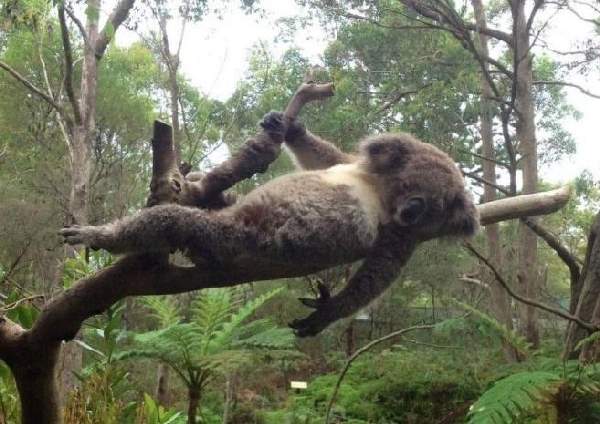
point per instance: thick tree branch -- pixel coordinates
(523, 205)
(561, 250)
(116, 18)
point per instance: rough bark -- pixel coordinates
(500, 305)
(525, 205)
(526, 135)
(162, 385)
(587, 297)
(193, 403)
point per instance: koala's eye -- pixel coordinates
(376, 148)
(414, 209)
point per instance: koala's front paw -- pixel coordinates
(320, 318)
(312, 324)
(81, 234)
(274, 122)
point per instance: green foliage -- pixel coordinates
(163, 309)
(568, 390)
(83, 264)
(9, 401)
(487, 326)
(515, 398)
(215, 339)
(153, 413)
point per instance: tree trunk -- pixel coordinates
(526, 135)
(81, 166)
(162, 385)
(350, 338)
(193, 404)
(500, 305)
(228, 398)
(588, 308)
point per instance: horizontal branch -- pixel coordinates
(524, 205)
(568, 84)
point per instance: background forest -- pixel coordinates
(447, 343)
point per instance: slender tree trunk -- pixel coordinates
(193, 404)
(500, 304)
(526, 135)
(174, 89)
(350, 338)
(162, 385)
(228, 398)
(588, 297)
(81, 165)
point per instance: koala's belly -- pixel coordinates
(301, 218)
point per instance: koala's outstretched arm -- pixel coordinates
(311, 151)
(376, 273)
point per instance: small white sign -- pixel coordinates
(298, 384)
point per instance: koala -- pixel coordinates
(375, 205)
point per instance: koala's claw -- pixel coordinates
(309, 326)
(274, 122)
(78, 234)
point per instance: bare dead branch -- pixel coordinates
(30, 86)
(307, 92)
(523, 205)
(568, 84)
(559, 312)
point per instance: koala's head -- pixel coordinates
(422, 188)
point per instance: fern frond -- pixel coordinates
(163, 309)
(515, 397)
(594, 337)
(230, 329)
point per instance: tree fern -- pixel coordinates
(163, 309)
(516, 397)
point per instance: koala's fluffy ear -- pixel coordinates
(463, 218)
(384, 154)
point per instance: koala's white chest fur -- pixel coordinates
(361, 186)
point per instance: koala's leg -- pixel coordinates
(160, 228)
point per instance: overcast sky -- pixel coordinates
(215, 53)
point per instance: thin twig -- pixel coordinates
(563, 314)
(362, 350)
(17, 303)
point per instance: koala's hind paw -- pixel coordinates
(80, 234)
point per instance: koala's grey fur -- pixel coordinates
(342, 209)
